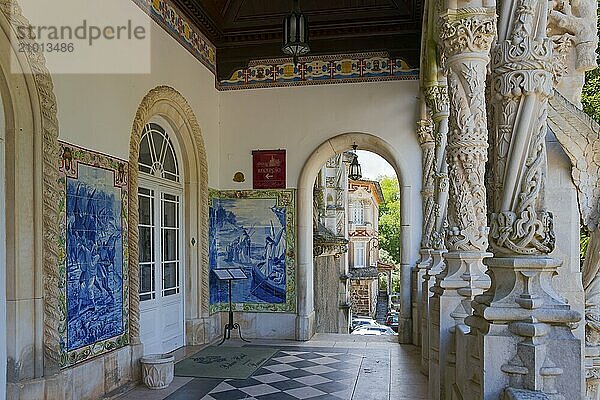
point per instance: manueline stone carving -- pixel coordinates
(521, 306)
(466, 37)
(576, 21)
(573, 30)
(521, 78)
(426, 138)
(149, 107)
(436, 98)
(49, 123)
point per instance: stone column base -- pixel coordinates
(305, 326)
(200, 331)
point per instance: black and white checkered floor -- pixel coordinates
(329, 366)
(295, 374)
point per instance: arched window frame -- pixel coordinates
(158, 128)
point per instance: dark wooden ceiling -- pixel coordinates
(251, 29)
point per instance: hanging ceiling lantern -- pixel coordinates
(354, 172)
(295, 33)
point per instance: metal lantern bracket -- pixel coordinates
(355, 172)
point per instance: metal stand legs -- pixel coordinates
(230, 326)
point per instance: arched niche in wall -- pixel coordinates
(32, 202)
(306, 315)
(168, 105)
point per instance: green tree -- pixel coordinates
(389, 218)
(591, 94)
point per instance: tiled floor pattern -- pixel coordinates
(329, 367)
(296, 373)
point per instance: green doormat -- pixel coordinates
(224, 362)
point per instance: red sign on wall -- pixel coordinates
(268, 168)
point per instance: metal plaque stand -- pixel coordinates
(230, 274)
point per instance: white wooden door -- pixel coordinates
(161, 294)
(160, 244)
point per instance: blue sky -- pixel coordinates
(373, 165)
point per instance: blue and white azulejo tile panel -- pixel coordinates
(253, 230)
(93, 267)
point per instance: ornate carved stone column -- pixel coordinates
(425, 134)
(436, 97)
(524, 327)
(466, 36)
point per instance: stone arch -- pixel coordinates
(331, 147)
(168, 103)
(32, 129)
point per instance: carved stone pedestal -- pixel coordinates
(417, 292)
(454, 289)
(524, 332)
(434, 269)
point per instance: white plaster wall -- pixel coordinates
(300, 119)
(2, 259)
(97, 111)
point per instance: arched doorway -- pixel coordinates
(184, 190)
(161, 200)
(327, 150)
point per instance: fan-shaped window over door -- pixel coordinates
(161, 258)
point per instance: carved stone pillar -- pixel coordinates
(466, 36)
(524, 327)
(436, 98)
(425, 133)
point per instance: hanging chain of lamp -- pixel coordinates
(295, 34)
(355, 172)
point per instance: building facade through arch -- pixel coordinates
(327, 150)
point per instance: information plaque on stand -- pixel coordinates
(230, 274)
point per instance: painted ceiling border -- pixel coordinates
(319, 70)
(173, 21)
(278, 72)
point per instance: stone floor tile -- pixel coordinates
(329, 367)
(305, 392)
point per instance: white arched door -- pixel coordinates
(161, 255)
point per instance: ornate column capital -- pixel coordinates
(467, 30)
(425, 132)
(436, 98)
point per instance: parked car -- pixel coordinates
(360, 321)
(374, 330)
(392, 321)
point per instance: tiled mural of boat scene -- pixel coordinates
(253, 232)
